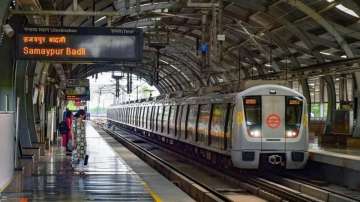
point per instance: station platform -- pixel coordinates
(113, 174)
(342, 157)
(340, 166)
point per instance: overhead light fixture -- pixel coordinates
(344, 9)
(325, 53)
(8, 30)
(100, 19)
(344, 56)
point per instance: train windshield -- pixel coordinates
(252, 107)
(294, 108)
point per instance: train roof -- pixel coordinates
(270, 89)
(222, 98)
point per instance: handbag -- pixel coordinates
(86, 159)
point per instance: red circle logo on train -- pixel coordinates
(273, 121)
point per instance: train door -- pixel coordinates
(273, 123)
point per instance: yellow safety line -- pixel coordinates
(153, 194)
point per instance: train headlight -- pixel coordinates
(254, 133)
(291, 133)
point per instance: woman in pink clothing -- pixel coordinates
(68, 136)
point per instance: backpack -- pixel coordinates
(63, 129)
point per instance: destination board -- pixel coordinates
(80, 44)
(77, 93)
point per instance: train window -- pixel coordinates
(125, 115)
(172, 120)
(125, 109)
(119, 114)
(147, 116)
(178, 120)
(152, 118)
(122, 114)
(191, 122)
(138, 116)
(154, 121)
(294, 108)
(165, 119)
(160, 115)
(143, 117)
(217, 128)
(135, 115)
(156, 118)
(128, 115)
(252, 108)
(203, 123)
(131, 115)
(228, 130)
(184, 115)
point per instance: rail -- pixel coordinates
(254, 184)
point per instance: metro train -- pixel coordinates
(262, 126)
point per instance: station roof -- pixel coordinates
(263, 38)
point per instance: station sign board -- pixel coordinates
(80, 44)
(77, 82)
(77, 90)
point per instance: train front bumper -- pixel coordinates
(254, 159)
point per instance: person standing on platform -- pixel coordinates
(80, 143)
(67, 138)
(63, 130)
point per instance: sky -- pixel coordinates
(107, 84)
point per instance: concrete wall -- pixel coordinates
(7, 148)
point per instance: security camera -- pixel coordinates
(8, 30)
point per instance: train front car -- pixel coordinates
(270, 128)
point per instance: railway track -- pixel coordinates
(269, 187)
(313, 189)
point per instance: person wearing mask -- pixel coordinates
(80, 141)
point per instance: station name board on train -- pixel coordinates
(83, 44)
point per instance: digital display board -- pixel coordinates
(77, 82)
(77, 93)
(77, 89)
(83, 44)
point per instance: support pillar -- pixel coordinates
(7, 104)
(322, 93)
(331, 93)
(24, 134)
(306, 91)
(356, 104)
